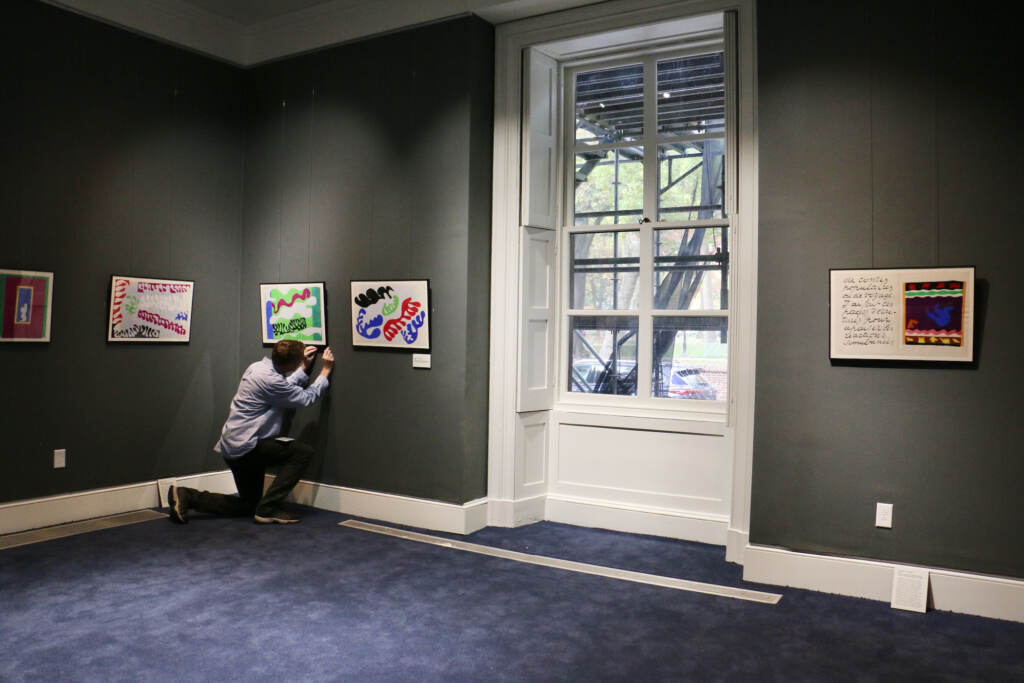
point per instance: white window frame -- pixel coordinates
(510, 502)
(716, 410)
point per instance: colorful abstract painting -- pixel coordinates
(146, 309)
(933, 313)
(391, 313)
(294, 311)
(25, 303)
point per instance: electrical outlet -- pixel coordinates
(883, 515)
(60, 458)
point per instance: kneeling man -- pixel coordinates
(249, 440)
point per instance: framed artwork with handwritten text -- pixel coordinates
(25, 303)
(295, 310)
(145, 309)
(916, 314)
(392, 314)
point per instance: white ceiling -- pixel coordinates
(248, 32)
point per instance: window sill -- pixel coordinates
(645, 418)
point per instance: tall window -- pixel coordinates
(648, 227)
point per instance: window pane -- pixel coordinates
(610, 104)
(609, 186)
(604, 270)
(602, 350)
(690, 358)
(691, 269)
(691, 95)
(691, 180)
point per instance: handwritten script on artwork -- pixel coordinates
(390, 314)
(145, 309)
(868, 310)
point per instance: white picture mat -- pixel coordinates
(396, 315)
(866, 314)
(146, 309)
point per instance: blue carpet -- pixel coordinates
(229, 600)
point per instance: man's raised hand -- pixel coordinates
(327, 363)
(308, 356)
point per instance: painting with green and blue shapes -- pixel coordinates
(294, 311)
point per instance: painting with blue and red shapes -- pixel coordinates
(933, 313)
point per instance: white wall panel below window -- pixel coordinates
(685, 473)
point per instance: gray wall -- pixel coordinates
(887, 139)
(373, 161)
(120, 155)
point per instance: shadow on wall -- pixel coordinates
(193, 420)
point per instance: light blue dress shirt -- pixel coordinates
(259, 404)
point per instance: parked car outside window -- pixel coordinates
(686, 382)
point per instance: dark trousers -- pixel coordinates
(249, 470)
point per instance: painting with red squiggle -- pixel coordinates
(294, 310)
(391, 313)
(149, 310)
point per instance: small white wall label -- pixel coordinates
(421, 360)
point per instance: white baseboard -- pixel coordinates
(735, 545)
(987, 596)
(388, 507)
(513, 513)
(35, 513)
(637, 520)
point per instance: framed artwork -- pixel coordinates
(295, 310)
(26, 298)
(144, 309)
(918, 314)
(392, 314)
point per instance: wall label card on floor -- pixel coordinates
(910, 588)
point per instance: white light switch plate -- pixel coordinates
(883, 515)
(60, 458)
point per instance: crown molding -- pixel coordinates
(171, 21)
(343, 21)
(331, 23)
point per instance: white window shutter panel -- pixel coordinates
(540, 138)
(537, 322)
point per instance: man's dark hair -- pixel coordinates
(286, 353)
